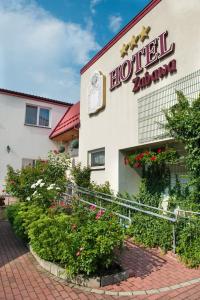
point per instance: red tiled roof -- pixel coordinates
(33, 97)
(70, 119)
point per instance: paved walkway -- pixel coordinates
(151, 276)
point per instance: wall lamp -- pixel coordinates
(8, 149)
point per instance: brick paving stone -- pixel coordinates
(22, 278)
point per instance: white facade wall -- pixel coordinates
(116, 127)
(25, 141)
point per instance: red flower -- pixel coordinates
(153, 158)
(139, 156)
(159, 150)
(137, 165)
(147, 152)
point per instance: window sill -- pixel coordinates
(97, 168)
(38, 126)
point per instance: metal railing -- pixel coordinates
(125, 208)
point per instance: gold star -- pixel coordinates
(144, 33)
(134, 41)
(124, 50)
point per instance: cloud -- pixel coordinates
(93, 4)
(115, 23)
(39, 53)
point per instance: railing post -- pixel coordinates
(129, 215)
(174, 239)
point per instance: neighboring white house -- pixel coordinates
(26, 121)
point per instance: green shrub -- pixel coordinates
(188, 242)
(151, 231)
(82, 247)
(43, 175)
(146, 197)
(49, 237)
(81, 175)
(97, 241)
(21, 215)
(101, 188)
(11, 212)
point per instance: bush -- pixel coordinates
(94, 244)
(101, 188)
(21, 215)
(86, 247)
(49, 237)
(188, 246)
(52, 172)
(151, 231)
(11, 212)
(81, 176)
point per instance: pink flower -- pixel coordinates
(78, 253)
(92, 207)
(159, 150)
(99, 214)
(53, 206)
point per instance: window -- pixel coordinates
(28, 162)
(37, 116)
(97, 158)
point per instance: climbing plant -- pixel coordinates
(183, 124)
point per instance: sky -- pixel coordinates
(45, 43)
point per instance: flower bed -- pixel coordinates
(92, 282)
(82, 241)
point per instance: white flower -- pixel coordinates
(42, 184)
(51, 187)
(28, 198)
(33, 186)
(39, 181)
(34, 193)
(57, 188)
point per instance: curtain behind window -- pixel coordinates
(44, 117)
(31, 115)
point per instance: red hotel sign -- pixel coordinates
(152, 53)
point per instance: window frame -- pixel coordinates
(38, 116)
(90, 159)
(32, 162)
